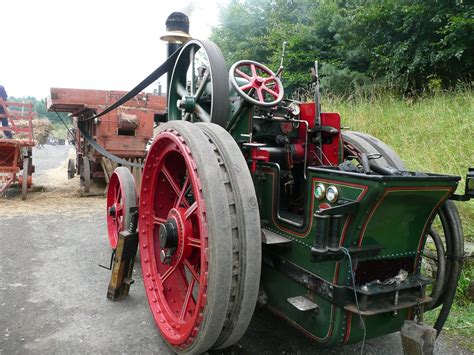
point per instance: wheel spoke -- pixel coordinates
(181, 90)
(254, 70)
(260, 95)
(171, 180)
(246, 86)
(167, 273)
(190, 210)
(117, 193)
(243, 75)
(271, 92)
(158, 220)
(181, 198)
(191, 61)
(187, 298)
(202, 114)
(194, 242)
(201, 87)
(191, 269)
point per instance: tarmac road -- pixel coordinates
(53, 294)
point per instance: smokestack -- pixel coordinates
(177, 33)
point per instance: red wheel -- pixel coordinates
(185, 238)
(256, 83)
(121, 196)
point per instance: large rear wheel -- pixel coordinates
(246, 233)
(185, 238)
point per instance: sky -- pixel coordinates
(89, 44)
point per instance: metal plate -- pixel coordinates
(303, 304)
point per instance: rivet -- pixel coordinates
(150, 288)
(144, 246)
(154, 300)
(148, 274)
(145, 260)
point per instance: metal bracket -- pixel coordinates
(122, 268)
(344, 208)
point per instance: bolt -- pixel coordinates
(165, 256)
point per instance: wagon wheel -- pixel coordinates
(24, 182)
(256, 83)
(185, 238)
(246, 232)
(121, 196)
(71, 168)
(86, 174)
(445, 231)
(199, 86)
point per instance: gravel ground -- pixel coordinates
(53, 294)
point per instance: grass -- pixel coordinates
(431, 134)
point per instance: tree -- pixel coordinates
(400, 44)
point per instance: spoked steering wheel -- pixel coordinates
(256, 83)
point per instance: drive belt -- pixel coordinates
(155, 75)
(106, 153)
(158, 73)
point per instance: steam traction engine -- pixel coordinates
(247, 195)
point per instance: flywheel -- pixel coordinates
(199, 86)
(195, 241)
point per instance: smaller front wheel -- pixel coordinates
(121, 197)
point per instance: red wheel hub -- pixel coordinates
(173, 239)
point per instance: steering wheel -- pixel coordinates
(256, 83)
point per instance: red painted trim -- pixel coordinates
(300, 328)
(433, 212)
(348, 327)
(313, 182)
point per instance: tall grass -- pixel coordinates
(432, 133)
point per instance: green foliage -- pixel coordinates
(408, 46)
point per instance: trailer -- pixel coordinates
(16, 145)
(123, 133)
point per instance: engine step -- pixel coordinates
(302, 303)
(271, 238)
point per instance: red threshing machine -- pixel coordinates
(16, 152)
(123, 133)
